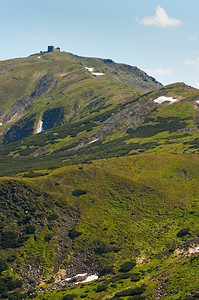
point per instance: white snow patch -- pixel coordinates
(40, 127)
(1, 123)
(94, 73)
(197, 250)
(81, 275)
(197, 102)
(90, 278)
(98, 74)
(94, 141)
(67, 279)
(39, 56)
(164, 99)
(89, 69)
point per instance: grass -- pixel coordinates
(130, 196)
(133, 207)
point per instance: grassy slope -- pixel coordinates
(168, 128)
(137, 204)
(72, 87)
(134, 206)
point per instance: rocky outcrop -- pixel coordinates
(42, 87)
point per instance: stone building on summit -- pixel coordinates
(51, 49)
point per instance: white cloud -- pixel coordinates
(159, 71)
(160, 19)
(192, 62)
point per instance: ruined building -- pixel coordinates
(51, 49)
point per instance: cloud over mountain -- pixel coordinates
(160, 19)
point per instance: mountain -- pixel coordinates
(99, 179)
(59, 89)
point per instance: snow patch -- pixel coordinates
(90, 278)
(89, 69)
(81, 275)
(94, 141)
(1, 123)
(94, 73)
(40, 127)
(67, 279)
(87, 279)
(164, 99)
(98, 74)
(197, 102)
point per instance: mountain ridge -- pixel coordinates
(98, 180)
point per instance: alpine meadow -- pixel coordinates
(99, 173)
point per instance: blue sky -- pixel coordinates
(160, 37)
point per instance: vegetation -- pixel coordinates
(110, 188)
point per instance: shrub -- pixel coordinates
(48, 237)
(3, 265)
(9, 283)
(69, 297)
(79, 192)
(14, 283)
(11, 258)
(22, 239)
(30, 229)
(73, 233)
(9, 239)
(106, 270)
(127, 266)
(53, 217)
(101, 287)
(102, 247)
(15, 296)
(137, 297)
(183, 232)
(131, 292)
(135, 277)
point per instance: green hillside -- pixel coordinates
(93, 218)
(57, 88)
(98, 179)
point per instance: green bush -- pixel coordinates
(79, 192)
(101, 287)
(21, 240)
(73, 233)
(53, 217)
(9, 283)
(137, 297)
(3, 265)
(102, 247)
(48, 237)
(135, 277)
(9, 239)
(30, 229)
(11, 258)
(106, 270)
(131, 292)
(183, 232)
(127, 266)
(69, 297)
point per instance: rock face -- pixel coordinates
(42, 87)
